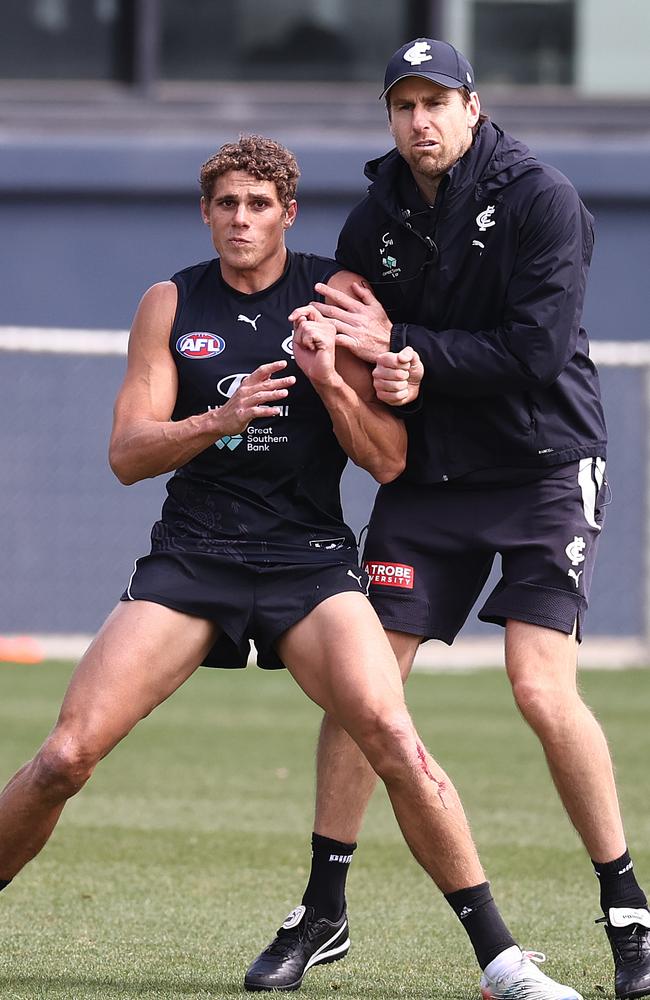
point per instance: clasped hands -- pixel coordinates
(360, 324)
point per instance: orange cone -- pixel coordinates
(20, 649)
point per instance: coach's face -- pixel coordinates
(432, 126)
(247, 221)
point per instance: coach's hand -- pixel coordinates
(362, 325)
(397, 377)
(251, 400)
(314, 346)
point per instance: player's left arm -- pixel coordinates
(367, 431)
(396, 376)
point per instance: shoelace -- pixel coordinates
(284, 941)
(628, 941)
(535, 956)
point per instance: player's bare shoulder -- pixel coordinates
(158, 304)
(154, 317)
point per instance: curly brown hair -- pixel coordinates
(262, 158)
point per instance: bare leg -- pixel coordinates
(359, 684)
(141, 655)
(542, 666)
(345, 780)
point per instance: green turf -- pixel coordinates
(174, 866)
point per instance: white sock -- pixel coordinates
(503, 962)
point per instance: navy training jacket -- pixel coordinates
(488, 286)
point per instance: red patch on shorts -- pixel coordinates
(390, 574)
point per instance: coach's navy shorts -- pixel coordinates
(430, 550)
(248, 601)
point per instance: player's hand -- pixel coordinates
(314, 345)
(251, 400)
(397, 377)
(362, 325)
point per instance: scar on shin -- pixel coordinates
(440, 782)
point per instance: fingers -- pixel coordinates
(401, 361)
(259, 387)
(336, 296)
(362, 291)
(392, 391)
(305, 335)
(390, 377)
(251, 402)
(310, 312)
(417, 368)
(314, 335)
(343, 321)
(406, 355)
(407, 361)
(261, 380)
(348, 302)
(348, 341)
(390, 386)
(396, 377)
(265, 372)
(262, 412)
(253, 394)
(254, 399)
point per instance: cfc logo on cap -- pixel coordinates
(200, 345)
(418, 53)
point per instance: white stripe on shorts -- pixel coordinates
(591, 473)
(128, 589)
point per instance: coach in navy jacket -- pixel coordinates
(475, 259)
(488, 287)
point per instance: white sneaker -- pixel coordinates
(514, 976)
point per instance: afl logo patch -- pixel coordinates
(200, 345)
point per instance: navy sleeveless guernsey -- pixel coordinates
(272, 492)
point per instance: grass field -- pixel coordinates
(174, 866)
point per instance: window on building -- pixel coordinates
(147, 40)
(64, 39)
(284, 39)
(524, 42)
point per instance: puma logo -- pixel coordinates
(359, 580)
(253, 322)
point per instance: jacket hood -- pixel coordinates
(493, 160)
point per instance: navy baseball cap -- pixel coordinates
(432, 60)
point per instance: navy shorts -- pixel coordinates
(430, 549)
(248, 601)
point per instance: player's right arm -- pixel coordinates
(145, 441)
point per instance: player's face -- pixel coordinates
(431, 125)
(247, 221)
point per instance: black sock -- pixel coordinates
(480, 917)
(3, 884)
(330, 861)
(618, 884)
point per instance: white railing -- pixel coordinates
(597, 651)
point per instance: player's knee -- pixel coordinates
(62, 766)
(545, 705)
(388, 741)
